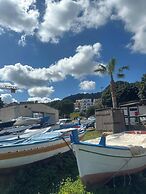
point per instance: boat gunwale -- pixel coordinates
(108, 155)
(105, 146)
(53, 139)
(30, 143)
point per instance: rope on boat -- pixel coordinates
(118, 171)
(66, 142)
(70, 147)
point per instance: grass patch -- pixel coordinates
(69, 186)
(91, 135)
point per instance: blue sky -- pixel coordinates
(49, 49)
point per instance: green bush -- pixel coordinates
(71, 187)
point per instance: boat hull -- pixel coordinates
(99, 164)
(32, 153)
(26, 153)
(103, 178)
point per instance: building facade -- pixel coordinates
(134, 112)
(27, 109)
(83, 104)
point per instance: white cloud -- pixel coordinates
(19, 16)
(55, 99)
(59, 18)
(22, 41)
(74, 16)
(41, 91)
(94, 13)
(39, 99)
(1, 31)
(134, 16)
(7, 98)
(23, 75)
(77, 66)
(87, 85)
(42, 100)
(69, 15)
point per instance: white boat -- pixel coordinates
(33, 148)
(27, 132)
(10, 130)
(21, 121)
(101, 159)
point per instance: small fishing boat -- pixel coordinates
(10, 130)
(25, 133)
(7, 124)
(36, 147)
(24, 121)
(101, 159)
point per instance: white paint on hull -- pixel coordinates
(9, 163)
(96, 160)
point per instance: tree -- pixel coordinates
(90, 111)
(124, 92)
(99, 104)
(65, 107)
(110, 70)
(142, 87)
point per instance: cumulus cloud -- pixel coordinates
(74, 16)
(82, 63)
(42, 100)
(79, 65)
(59, 17)
(19, 16)
(64, 16)
(7, 98)
(69, 15)
(94, 13)
(133, 14)
(23, 75)
(41, 91)
(39, 99)
(87, 85)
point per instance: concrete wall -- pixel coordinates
(142, 110)
(110, 120)
(27, 110)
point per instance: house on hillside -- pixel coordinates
(84, 104)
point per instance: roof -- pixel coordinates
(134, 103)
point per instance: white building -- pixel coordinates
(28, 109)
(83, 104)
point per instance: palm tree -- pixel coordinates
(110, 69)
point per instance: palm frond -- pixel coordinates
(120, 75)
(125, 67)
(101, 69)
(121, 69)
(111, 65)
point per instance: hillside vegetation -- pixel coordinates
(125, 92)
